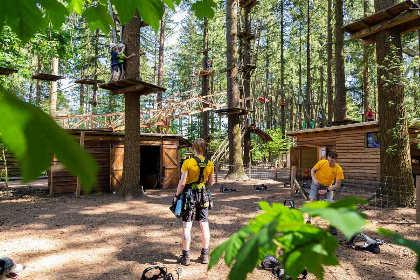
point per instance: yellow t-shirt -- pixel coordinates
(193, 170)
(326, 174)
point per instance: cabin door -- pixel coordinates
(170, 166)
(117, 164)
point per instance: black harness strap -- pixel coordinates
(202, 165)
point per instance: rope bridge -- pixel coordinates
(176, 106)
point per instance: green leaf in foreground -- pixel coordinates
(403, 242)
(98, 17)
(342, 214)
(203, 8)
(34, 138)
(308, 247)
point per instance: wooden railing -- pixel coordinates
(174, 107)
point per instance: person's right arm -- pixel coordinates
(313, 171)
(181, 185)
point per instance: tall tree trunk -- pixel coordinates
(247, 83)
(38, 82)
(365, 71)
(266, 96)
(235, 147)
(114, 31)
(308, 67)
(329, 64)
(161, 59)
(131, 174)
(282, 113)
(396, 170)
(95, 86)
(340, 82)
(205, 82)
(321, 97)
(53, 91)
(300, 98)
(82, 94)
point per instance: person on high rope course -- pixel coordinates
(196, 172)
(121, 60)
(370, 115)
(114, 62)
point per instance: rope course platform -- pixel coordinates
(246, 35)
(248, 67)
(88, 81)
(131, 86)
(405, 15)
(233, 111)
(246, 3)
(7, 71)
(205, 73)
(47, 77)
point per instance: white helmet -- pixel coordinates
(120, 45)
(112, 45)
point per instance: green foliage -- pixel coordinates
(26, 17)
(98, 17)
(34, 138)
(283, 229)
(415, 246)
(201, 8)
(274, 147)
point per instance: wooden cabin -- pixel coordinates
(159, 153)
(357, 146)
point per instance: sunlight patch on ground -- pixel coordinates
(79, 257)
(29, 244)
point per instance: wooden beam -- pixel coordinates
(82, 144)
(128, 89)
(415, 14)
(409, 52)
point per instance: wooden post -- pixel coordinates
(217, 171)
(52, 177)
(82, 144)
(418, 199)
(292, 182)
(275, 169)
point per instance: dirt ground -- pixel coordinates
(103, 236)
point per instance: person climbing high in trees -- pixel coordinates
(121, 60)
(114, 62)
(370, 115)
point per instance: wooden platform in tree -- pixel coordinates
(88, 81)
(246, 35)
(131, 85)
(248, 67)
(246, 3)
(47, 77)
(7, 71)
(205, 73)
(405, 15)
(232, 111)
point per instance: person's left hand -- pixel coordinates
(322, 191)
(175, 199)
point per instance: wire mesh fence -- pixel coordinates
(255, 171)
(382, 192)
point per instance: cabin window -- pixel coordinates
(372, 140)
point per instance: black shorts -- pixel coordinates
(198, 213)
(121, 66)
(114, 67)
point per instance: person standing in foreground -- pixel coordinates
(195, 172)
(323, 175)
